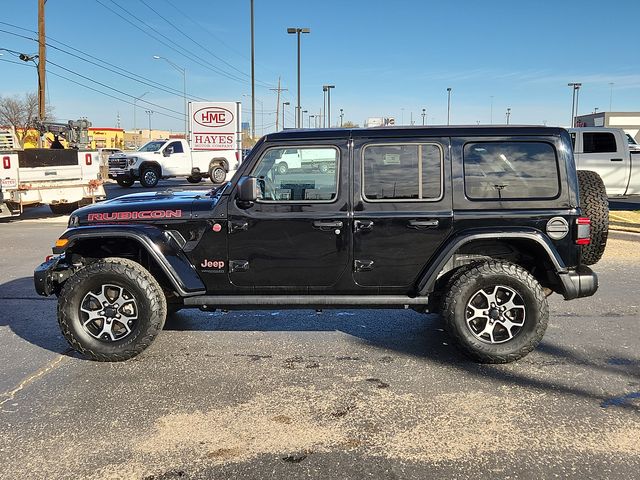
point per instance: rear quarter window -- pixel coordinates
(510, 171)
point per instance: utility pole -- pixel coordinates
(448, 105)
(610, 94)
(42, 66)
(303, 112)
(253, 80)
(491, 111)
(424, 115)
(508, 115)
(327, 88)
(310, 117)
(341, 117)
(278, 90)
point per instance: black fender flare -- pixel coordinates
(428, 278)
(161, 245)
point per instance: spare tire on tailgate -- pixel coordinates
(595, 205)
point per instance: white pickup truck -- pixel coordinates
(172, 158)
(305, 159)
(606, 152)
(63, 179)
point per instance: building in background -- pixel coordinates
(106, 138)
(136, 138)
(627, 121)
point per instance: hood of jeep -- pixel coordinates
(143, 207)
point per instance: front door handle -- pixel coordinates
(325, 224)
(432, 223)
(616, 159)
(361, 225)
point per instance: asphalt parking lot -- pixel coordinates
(294, 394)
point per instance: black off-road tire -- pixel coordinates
(149, 176)
(485, 275)
(63, 208)
(595, 205)
(282, 168)
(126, 183)
(151, 304)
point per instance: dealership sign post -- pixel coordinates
(215, 126)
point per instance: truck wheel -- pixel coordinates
(125, 183)
(496, 312)
(149, 177)
(323, 167)
(595, 205)
(282, 168)
(194, 179)
(217, 174)
(111, 310)
(63, 208)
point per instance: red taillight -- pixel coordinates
(584, 231)
(237, 156)
(87, 158)
(6, 162)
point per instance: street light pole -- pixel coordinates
(448, 105)
(303, 112)
(491, 111)
(424, 115)
(508, 115)
(149, 112)
(327, 88)
(341, 117)
(284, 104)
(297, 31)
(574, 104)
(309, 118)
(184, 91)
(253, 80)
(610, 94)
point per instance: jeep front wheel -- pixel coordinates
(111, 310)
(496, 312)
(149, 177)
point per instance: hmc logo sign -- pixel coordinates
(213, 117)
(215, 125)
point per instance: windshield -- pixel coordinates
(152, 146)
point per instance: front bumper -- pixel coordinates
(582, 282)
(49, 275)
(129, 173)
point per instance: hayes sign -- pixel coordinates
(214, 126)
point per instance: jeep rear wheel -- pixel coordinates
(595, 205)
(111, 310)
(149, 177)
(496, 312)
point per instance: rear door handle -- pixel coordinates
(322, 224)
(361, 225)
(423, 223)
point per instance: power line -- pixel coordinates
(180, 50)
(87, 87)
(119, 70)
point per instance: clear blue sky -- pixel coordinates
(386, 58)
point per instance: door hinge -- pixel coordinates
(238, 266)
(363, 265)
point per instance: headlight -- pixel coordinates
(133, 160)
(74, 221)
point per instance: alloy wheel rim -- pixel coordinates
(495, 314)
(109, 313)
(219, 174)
(150, 176)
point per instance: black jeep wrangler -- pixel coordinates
(479, 224)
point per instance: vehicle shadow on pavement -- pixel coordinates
(31, 317)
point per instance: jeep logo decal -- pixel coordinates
(213, 117)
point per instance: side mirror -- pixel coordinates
(167, 151)
(248, 189)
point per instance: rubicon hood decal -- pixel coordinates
(137, 215)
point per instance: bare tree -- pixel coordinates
(21, 113)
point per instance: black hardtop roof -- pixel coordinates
(415, 131)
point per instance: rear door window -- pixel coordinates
(598, 142)
(510, 170)
(402, 172)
